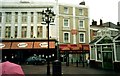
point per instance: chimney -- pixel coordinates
(100, 21)
(82, 3)
(94, 22)
(118, 24)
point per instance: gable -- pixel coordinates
(105, 40)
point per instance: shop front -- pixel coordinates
(19, 50)
(102, 53)
(74, 52)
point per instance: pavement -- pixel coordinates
(72, 69)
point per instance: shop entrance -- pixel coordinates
(107, 60)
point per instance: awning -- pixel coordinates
(64, 47)
(86, 47)
(5, 45)
(44, 45)
(22, 45)
(74, 47)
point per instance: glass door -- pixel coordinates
(107, 60)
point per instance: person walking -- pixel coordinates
(88, 61)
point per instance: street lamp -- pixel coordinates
(48, 16)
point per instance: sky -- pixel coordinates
(107, 10)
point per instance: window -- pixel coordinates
(81, 24)
(66, 37)
(24, 31)
(0, 17)
(16, 17)
(15, 31)
(80, 11)
(0, 31)
(66, 10)
(66, 23)
(31, 31)
(8, 17)
(39, 17)
(39, 31)
(24, 17)
(7, 32)
(82, 37)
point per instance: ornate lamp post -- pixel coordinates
(48, 16)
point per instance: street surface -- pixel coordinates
(67, 70)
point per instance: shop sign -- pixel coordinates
(22, 45)
(2, 45)
(43, 44)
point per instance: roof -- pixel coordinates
(95, 40)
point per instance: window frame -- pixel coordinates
(64, 22)
(68, 37)
(83, 37)
(83, 26)
(66, 10)
(81, 11)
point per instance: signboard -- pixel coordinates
(2, 45)
(22, 45)
(43, 44)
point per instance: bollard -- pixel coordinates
(56, 71)
(76, 63)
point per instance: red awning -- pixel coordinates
(74, 47)
(44, 45)
(5, 45)
(86, 47)
(64, 47)
(22, 45)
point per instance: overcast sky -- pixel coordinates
(107, 10)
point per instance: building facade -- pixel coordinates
(104, 49)
(23, 20)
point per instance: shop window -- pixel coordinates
(99, 48)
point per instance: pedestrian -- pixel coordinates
(88, 61)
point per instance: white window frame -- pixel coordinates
(68, 37)
(66, 10)
(68, 22)
(84, 37)
(81, 11)
(83, 24)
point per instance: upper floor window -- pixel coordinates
(66, 23)
(66, 36)
(80, 11)
(24, 31)
(7, 31)
(8, 17)
(0, 17)
(81, 24)
(82, 37)
(66, 10)
(39, 31)
(24, 17)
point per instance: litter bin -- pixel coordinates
(56, 68)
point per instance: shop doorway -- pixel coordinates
(107, 60)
